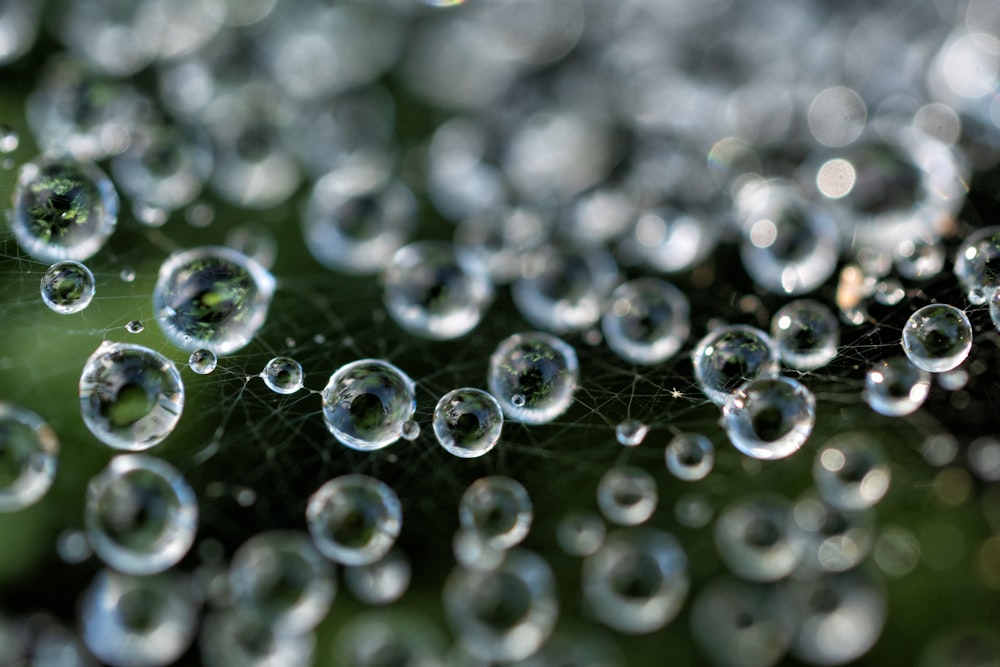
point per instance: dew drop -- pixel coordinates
(367, 402)
(127, 274)
(646, 321)
(752, 538)
(9, 139)
(283, 375)
(67, 287)
(731, 355)
(533, 376)
(496, 509)
(28, 457)
(202, 361)
(627, 496)
(468, 422)
(410, 430)
(895, 387)
(769, 418)
(937, 338)
(518, 400)
(977, 264)
(354, 519)
(230, 638)
(851, 472)
(806, 334)
(382, 582)
(135, 326)
(690, 456)
(580, 533)
(631, 433)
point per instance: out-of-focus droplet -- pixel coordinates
(895, 387)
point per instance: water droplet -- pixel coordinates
(895, 387)
(806, 333)
(995, 309)
(63, 209)
(498, 510)
(977, 264)
(126, 620)
(382, 582)
(690, 456)
(669, 241)
(436, 290)
(213, 294)
(505, 614)
(148, 215)
(135, 326)
(637, 581)
(29, 448)
(580, 533)
(983, 455)
(130, 396)
(851, 472)
(769, 418)
(752, 539)
(163, 169)
(67, 287)
(731, 355)
(354, 519)
(127, 274)
(73, 547)
(410, 430)
(646, 321)
(203, 361)
(369, 640)
(831, 539)
(473, 552)
(199, 215)
(920, 258)
(631, 433)
(279, 577)
(897, 551)
(468, 422)
(564, 290)
(232, 638)
(367, 402)
(141, 515)
(937, 338)
(256, 242)
(283, 375)
(540, 368)
(693, 510)
(9, 139)
(626, 495)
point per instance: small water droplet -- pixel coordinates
(9, 139)
(410, 430)
(135, 326)
(631, 433)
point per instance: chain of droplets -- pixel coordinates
(869, 174)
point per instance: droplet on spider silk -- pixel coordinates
(504, 614)
(669, 241)
(202, 361)
(9, 139)
(129, 620)
(631, 432)
(895, 387)
(212, 297)
(141, 515)
(498, 510)
(740, 623)
(366, 403)
(131, 397)
(356, 219)
(919, 258)
(502, 237)
(731, 355)
(67, 287)
(839, 616)
(977, 264)
(580, 533)
(281, 578)
(436, 290)
(627, 495)
(354, 519)
(563, 290)
(233, 638)
(646, 321)
(806, 333)
(283, 375)
(468, 422)
(690, 456)
(790, 245)
(382, 638)
(256, 242)
(637, 581)
(831, 539)
(769, 418)
(937, 338)
(135, 326)
(382, 582)
(28, 456)
(473, 552)
(851, 472)
(753, 540)
(533, 376)
(62, 209)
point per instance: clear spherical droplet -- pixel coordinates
(211, 297)
(354, 519)
(851, 472)
(769, 418)
(627, 496)
(127, 274)
(437, 290)
(135, 326)
(731, 355)
(382, 582)
(920, 258)
(63, 209)
(382, 638)
(631, 432)
(127, 621)
(580, 533)
(505, 614)
(637, 581)
(202, 361)
(995, 309)
(280, 577)
(752, 538)
(468, 422)
(937, 338)
(806, 333)
(233, 638)
(68, 287)
(831, 539)
(690, 456)
(895, 387)
(533, 376)
(9, 139)
(28, 451)
(283, 375)
(410, 430)
(366, 403)
(131, 397)
(141, 515)
(977, 264)
(646, 321)
(498, 510)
